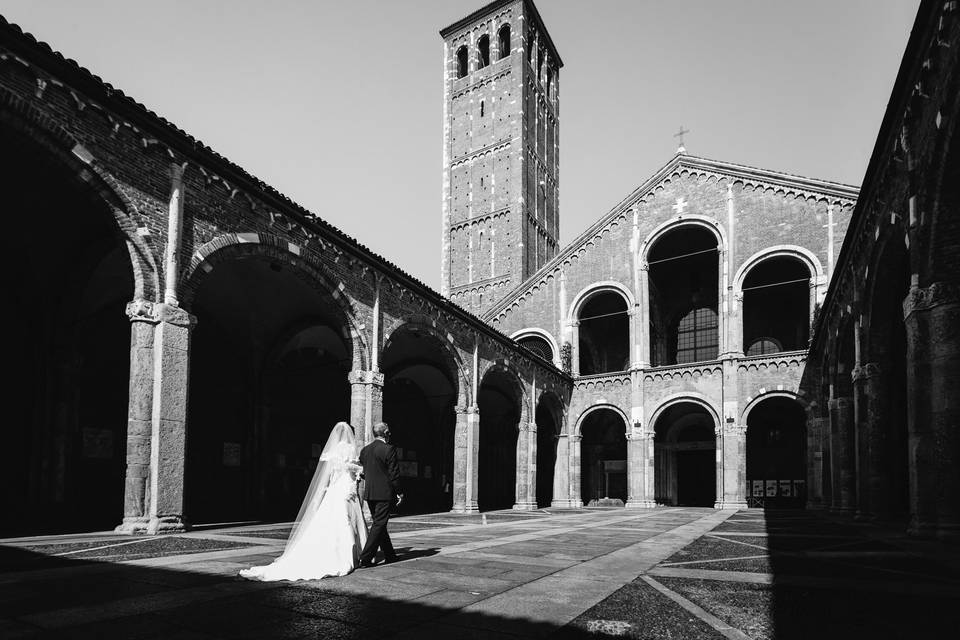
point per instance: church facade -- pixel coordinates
(683, 314)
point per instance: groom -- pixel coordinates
(381, 473)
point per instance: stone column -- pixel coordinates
(735, 327)
(932, 319)
(526, 491)
(815, 456)
(136, 498)
(366, 402)
(465, 460)
(638, 496)
(643, 322)
(732, 448)
(576, 500)
(561, 473)
(873, 489)
(575, 348)
(171, 373)
(842, 465)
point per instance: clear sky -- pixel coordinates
(338, 103)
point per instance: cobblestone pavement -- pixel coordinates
(662, 573)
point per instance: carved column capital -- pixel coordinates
(866, 371)
(140, 310)
(734, 430)
(174, 315)
(938, 293)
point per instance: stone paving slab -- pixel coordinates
(529, 577)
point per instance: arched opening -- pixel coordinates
(503, 37)
(483, 51)
(603, 456)
(66, 280)
(685, 456)
(268, 382)
(776, 454)
(548, 428)
(499, 405)
(419, 395)
(776, 306)
(462, 63)
(683, 284)
(886, 395)
(604, 334)
(538, 345)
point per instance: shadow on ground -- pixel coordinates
(61, 597)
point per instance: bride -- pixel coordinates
(329, 531)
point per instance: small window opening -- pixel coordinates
(483, 51)
(539, 63)
(462, 62)
(530, 45)
(504, 37)
(481, 108)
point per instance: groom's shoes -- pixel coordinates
(366, 564)
(391, 560)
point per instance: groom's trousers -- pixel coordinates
(378, 538)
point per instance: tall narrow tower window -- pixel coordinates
(504, 37)
(481, 108)
(462, 62)
(549, 83)
(483, 51)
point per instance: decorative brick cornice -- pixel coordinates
(698, 370)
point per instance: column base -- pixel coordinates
(525, 506)
(641, 504)
(166, 524)
(133, 525)
(467, 508)
(566, 504)
(730, 504)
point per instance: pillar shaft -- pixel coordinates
(932, 316)
(842, 455)
(466, 449)
(526, 490)
(561, 473)
(171, 372)
(732, 466)
(576, 499)
(136, 499)
(638, 495)
(366, 403)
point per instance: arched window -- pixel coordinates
(684, 294)
(462, 62)
(763, 346)
(483, 51)
(549, 82)
(537, 345)
(697, 336)
(482, 113)
(776, 306)
(504, 37)
(604, 334)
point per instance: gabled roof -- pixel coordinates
(811, 187)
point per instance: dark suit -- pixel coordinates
(381, 484)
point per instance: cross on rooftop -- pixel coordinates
(679, 134)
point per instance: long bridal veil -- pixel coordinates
(339, 450)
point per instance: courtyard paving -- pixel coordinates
(662, 573)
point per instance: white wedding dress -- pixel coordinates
(330, 531)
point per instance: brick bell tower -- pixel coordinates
(501, 106)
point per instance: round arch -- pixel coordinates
(516, 381)
(678, 398)
(429, 326)
(554, 404)
(586, 412)
(305, 266)
(805, 256)
(598, 287)
(755, 400)
(686, 220)
(60, 144)
(530, 332)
